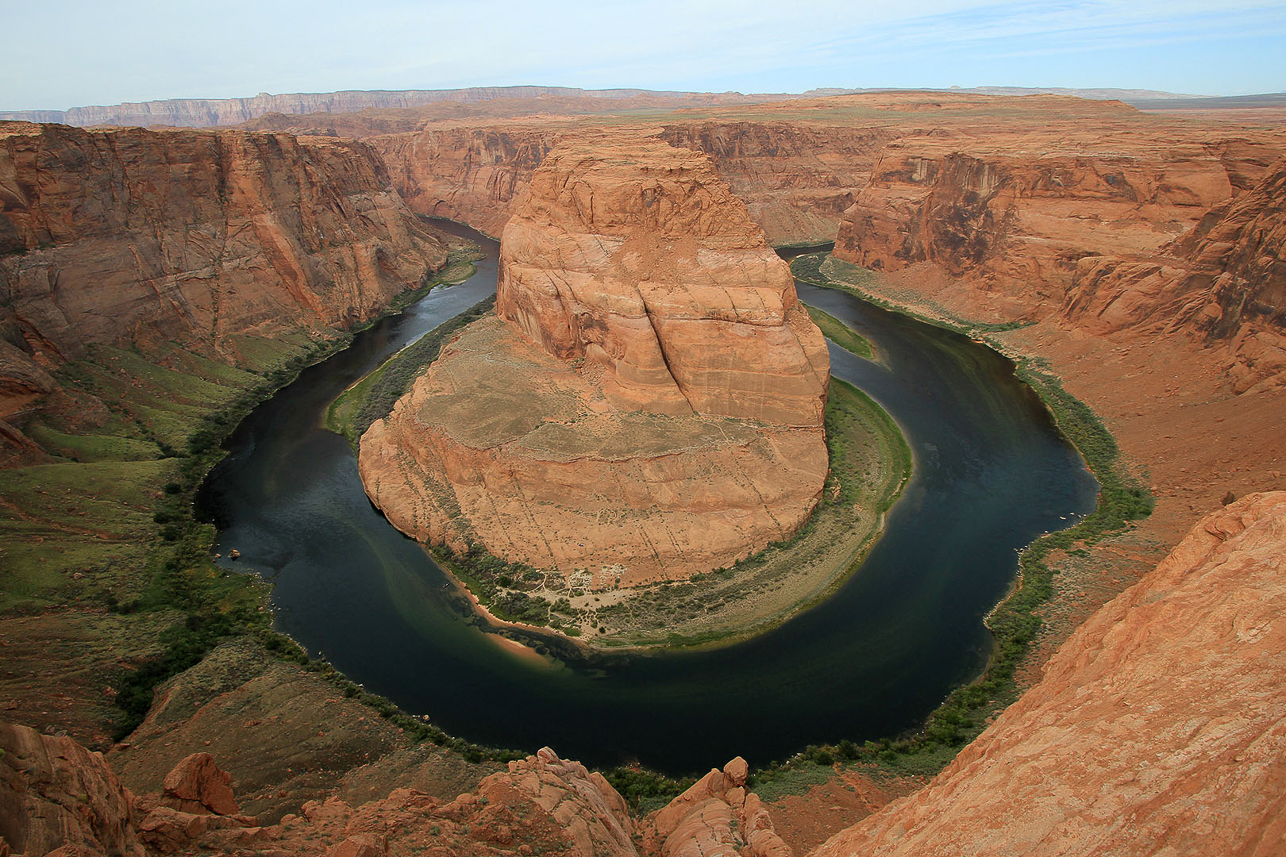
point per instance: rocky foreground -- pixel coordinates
(648, 403)
(1158, 728)
(59, 798)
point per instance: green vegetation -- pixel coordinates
(1015, 621)
(645, 790)
(821, 269)
(373, 397)
(418, 728)
(777, 780)
(108, 523)
(841, 334)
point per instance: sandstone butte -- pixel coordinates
(647, 403)
(195, 238)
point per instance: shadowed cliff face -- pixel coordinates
(1225, 280)
(191, 237)
(1159, 727)
(653, 406)
(473, 175)
(796, 179)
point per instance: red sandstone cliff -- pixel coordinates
(473, 175)
(1017, 222)
(797, 179)
(132, 235)
(653, 406)
(1159, 726)
(1225, 280)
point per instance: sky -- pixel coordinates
(67, 53)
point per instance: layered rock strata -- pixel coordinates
(1225, 280)
(138, 236)
(647, 405)
(470, 174)
(1016, 223)
(797, 179)
(799, 164)
(1106, 235)
(1159, 727)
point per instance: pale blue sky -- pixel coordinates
(66, 53)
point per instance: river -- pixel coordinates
(991, 474)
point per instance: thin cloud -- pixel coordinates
(141, 49)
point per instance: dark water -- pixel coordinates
(991, 474)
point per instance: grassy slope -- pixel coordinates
(99, 544)
(841, 334)
(373, 397)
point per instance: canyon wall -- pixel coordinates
(648, 404)
(1224, 280)
(1103, 234)
(1063, 172)
(470, 174)
(1018, 222)
(192, 237)
(212, 112)
(795, 179)
(1159, 727)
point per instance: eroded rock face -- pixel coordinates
(648, 406)
(473, 175)
(1159, 726)
(111, 236)
(634, 256)
(717, 815)
(56, 794)
(1017, 222)
(1225, 279)
(198, 785)
(796, 179)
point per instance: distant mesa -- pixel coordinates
(647, 402)
(217, 112)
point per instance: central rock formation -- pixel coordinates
(647, 405)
